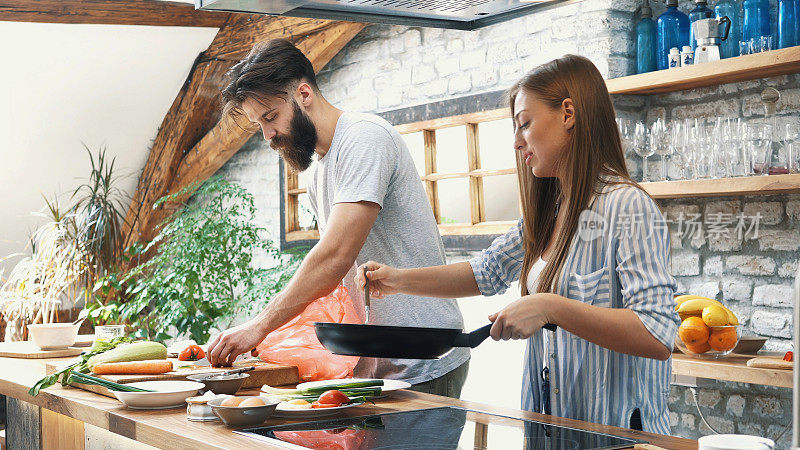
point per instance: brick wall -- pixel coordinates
(389, 67)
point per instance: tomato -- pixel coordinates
(333, 397)
(192, 353)
(323, 405)
(789, 356)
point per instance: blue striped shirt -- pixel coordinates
(625, 265)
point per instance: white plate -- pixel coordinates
(388, 385)
(309, 413)
(168, 394)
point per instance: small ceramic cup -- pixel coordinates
(198, 410)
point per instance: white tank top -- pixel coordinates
(533, 276)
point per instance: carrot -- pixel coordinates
(151, 367)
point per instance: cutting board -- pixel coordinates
(26, 349)
(264, 373)
(770, 363)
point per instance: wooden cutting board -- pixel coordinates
(26, 349)
(770, 363)
(264, 373)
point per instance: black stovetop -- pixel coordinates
(435, 428)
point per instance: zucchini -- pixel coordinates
(137, 351)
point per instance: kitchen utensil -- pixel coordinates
(749, 345)
(167, 394)
(53, 336)
(366, 295)
(226, 373)
(388, 385)
(237, 416)
(765, 362)
(310, 413)
(707, 34)
(734, 442)
(383, 341)
(220, 384)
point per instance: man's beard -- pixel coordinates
(297, 147)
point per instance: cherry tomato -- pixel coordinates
(789, 356)
(192, 353)
(333, 397)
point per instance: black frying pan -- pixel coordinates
(384, 341)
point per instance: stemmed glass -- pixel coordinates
(677, 149)
(625, 127)
(642, 147)
(659, 135)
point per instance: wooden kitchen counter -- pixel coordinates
(730, 368)
(170, 429)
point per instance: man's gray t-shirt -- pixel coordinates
(369, 161)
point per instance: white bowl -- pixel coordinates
(168, 394)
(53, 336)
(735, 442)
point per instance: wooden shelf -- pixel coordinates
(755, 185)
(731, 368)
(740, 68)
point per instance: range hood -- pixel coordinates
(453, 14)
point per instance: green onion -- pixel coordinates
(342, 386)
(88, 379)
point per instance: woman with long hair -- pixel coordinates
(591, 253)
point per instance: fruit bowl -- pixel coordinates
(702, 341)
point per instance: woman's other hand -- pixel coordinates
(522, 318)
(383, 280)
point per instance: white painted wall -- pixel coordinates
(61, 85)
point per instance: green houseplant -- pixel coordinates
(201, 274)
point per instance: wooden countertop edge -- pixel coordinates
(170, 429)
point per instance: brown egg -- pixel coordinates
(254, 401)
(232, 401)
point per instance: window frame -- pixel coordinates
(479, 226)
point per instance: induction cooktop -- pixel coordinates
(434, 428)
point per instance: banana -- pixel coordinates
(696, 305)
(683, 298)
(732, 319)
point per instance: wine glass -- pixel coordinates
(625, 127)
(642, 146)
(659, 135)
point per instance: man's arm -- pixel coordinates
(319, 274)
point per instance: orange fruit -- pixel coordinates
(722, 339)
(685, 315)
(693, 331)
(698, 348)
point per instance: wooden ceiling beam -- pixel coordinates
(191, 144)
(116, 12)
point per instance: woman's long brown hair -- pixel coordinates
(593, 155)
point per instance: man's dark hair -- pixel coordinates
(270, 69)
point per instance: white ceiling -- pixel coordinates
(62, 85)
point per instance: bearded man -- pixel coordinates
(369, 202)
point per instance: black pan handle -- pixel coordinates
(476, 337)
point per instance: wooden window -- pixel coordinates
(463, 161)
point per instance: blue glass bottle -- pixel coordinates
(672, 30)
(786, 23)
(730, 8)
(756, 19)
(646, 41)
(796, 22)
(700, 11)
